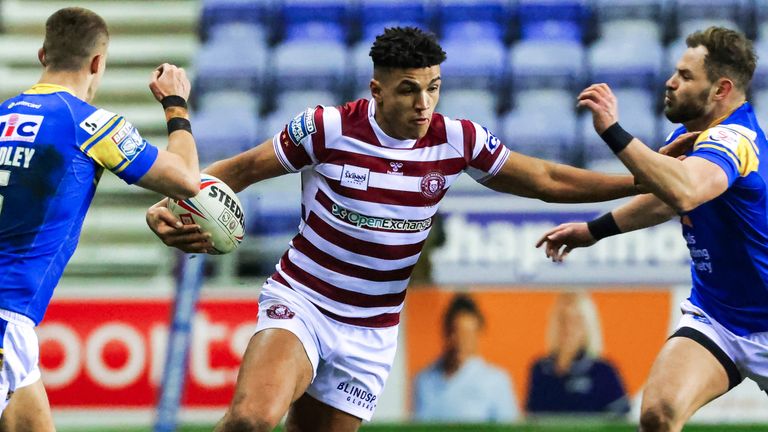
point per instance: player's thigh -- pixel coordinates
(308, 414)
(684, 377)
(274, 372)
(28, 410)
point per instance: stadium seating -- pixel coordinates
(550, 63)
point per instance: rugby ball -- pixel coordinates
(217, 210)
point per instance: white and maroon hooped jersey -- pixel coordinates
(368, 202)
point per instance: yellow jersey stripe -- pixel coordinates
(44, 88)
(100, 133)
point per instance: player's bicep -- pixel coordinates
(519, 175)
(709, 177)
(117, 146)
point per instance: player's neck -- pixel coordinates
(717, 115)
(76, 81)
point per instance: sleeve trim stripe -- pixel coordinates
(120, 167)
(99, 136)
(722, 149)
(500, 162)
(748, 139)
(280, 157)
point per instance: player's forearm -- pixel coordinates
(641, 212)
(566, 184)
(664, 176)
(252, 166)
(181, 142)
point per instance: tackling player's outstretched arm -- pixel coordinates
(551, 182)
(175, 172)
(682, 184)
(641, 212)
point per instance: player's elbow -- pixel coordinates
(683, 201)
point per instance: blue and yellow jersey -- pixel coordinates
(53, 148)
(728, 236)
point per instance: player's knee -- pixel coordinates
(251, 418)
(238, 423)
(659, 416)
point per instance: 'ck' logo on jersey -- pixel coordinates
(20, 127)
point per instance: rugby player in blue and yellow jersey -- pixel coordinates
(54, 146)
(720, 191)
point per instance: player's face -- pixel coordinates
(688, 90)
(406, 99)
(463, 335)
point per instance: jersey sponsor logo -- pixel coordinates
(302, 126)
(726, 137)
(355, 177)
(491, 142)
(280, 311)
(20, 127)
(96, 121)
(394, 168)
(24, 104)
(389, 224)
(122, 133)
(432, 184)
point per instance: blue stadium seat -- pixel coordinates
(227, 100)
(375, 15)
(217, 12)
(221, 64)
(296, 101)
(551, 63)
(309, 63)
(691, 25)
(738, 12)
(618, 62)
(476, 105)
(760, 80)
(543, 124)
(328, 17)
(631, 29)
(473, 64)
(491, 15)
(607, 10)
(222, 133)
(759, 102)
(238, 33)
(553, 19)
(478, 32)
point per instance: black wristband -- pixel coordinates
(616, 137)
(604, 226)
(179, 123)
(173, 101)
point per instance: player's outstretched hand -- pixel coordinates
(561, 240)
(188, 238)
(600, 100)
(169, 80)
(681, 145)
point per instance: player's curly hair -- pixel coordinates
(729, 54)
(461, 303)
(406, 48)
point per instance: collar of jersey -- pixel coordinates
(44, 88)
(728, 114)
(384, 139)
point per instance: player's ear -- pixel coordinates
(96, 63)
(375, 87)
(724, 88)
(41, 56)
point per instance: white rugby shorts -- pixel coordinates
(741, 356)
(350, 363)
(20, 354)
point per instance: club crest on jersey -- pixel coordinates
(302, 126)
(280, 311)
(432, 184)
(20, 127)
(491, 142)
(395, 168)
(132, 144)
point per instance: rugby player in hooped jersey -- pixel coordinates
(719, 192)
(373, 172)
(54, 146)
